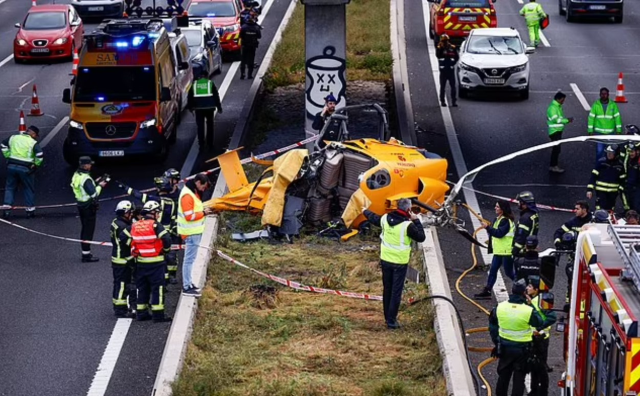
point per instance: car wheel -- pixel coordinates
(561, 10)
(463, 93)
(617, 19)
(69, 158)
(568, 14)
(524, 95)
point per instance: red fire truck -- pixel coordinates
(602, 345)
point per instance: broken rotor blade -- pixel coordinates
(469, 237)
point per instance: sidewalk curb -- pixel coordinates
(446, 324)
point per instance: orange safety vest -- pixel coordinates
(145, 244)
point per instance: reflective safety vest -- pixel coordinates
(555, 118)
(185, 226)
(77, 184)
(502, 246)
(533, 13)
(203, 88)
(604, 122)
(120, 252)
(21, 151)
(536, 305)
(395, 246)
(514, 321)
(145, 244)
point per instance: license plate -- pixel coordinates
(598, 7)
(111, 153)
(466, 19)
(494, 80)
(40, 50)
(96, 8)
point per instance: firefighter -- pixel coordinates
(528, 223)
(529, 263)
(122, 262)
(582, 217)
(533, 14)
(250, 35)
(604, 119)
(204, 99)
(511, 326)
(447, 55)
(541, 334)
(556, 122)
(632, 170)
(173, 175)
(86, 191)
(607, 179)
(150, 244)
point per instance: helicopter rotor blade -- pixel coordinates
(469, 237)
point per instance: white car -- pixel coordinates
(184, 72)
(99, 8)
(494, 59)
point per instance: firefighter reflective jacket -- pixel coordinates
(120, 241)
(528, 224)
(608, 176)
(575, 225)
(22, 150)
(395, 246)
(150, 241)
(555, 118)
(604, 122)
(533, 13)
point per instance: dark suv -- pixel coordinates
(573, 9)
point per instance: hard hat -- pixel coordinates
(444, 37)
(85, 160)
(519, 287)
(330, 98)
(569, 237)
(150, 207)
(526, 197)
(171, 174)
(124, 207)
(162, 184)
(532, 242)
(601, 216)
(632, 129)
(612, 148)
(534, 280)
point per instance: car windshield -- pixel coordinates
(194, 37)
(468, 3)
(494, 45)
(96, 84)
(45, 21)
(212, 9)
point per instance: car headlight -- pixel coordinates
(75, 124)
(148, 123)
(466, 67)
(21, 42)
(230, 29)
(60, 41)
(517, 69)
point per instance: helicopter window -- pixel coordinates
(379, 179)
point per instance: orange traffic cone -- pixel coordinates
(620, 91)
(35, 103)
(76, 62)
(33, 3)
(23, 126)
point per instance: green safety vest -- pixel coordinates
(21, 149)
(536, 305)
(203, 88)
(555, 118)
(77, 184)
(395, 246)
(604, 123)
(533, 13)
(514, 321)
(190, 227)
(502, 246)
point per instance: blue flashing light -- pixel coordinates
(146, 69)
(211, 14)
(154, 35)
(122, 44)
(85, 70)
(137, 40)
(100, 98)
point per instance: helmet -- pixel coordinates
(150, 207)
(601, 216)
(124, 207)
(632, 129)
(171, 174)
(444, 37)
(162, 184)
(612, 148)
(569, 237)
(532, 242)
(526, 197)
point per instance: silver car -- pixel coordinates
(204, 42)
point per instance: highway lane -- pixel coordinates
(58, 324)
(588, 54)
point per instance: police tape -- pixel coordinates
(207, 172)
(297, 285)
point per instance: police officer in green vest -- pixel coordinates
(541, 334)
(399, 228)
(203, 99)
(86, 191)
(24, 156)
(511, 326)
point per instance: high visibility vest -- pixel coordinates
(555, 118)
(604, 123)
(395, 246)
(502, 246)
(514, 321)
(145, 244)
(533, 13)
(188, 227)
(536, 305)
(21, 150)
(77, 184)
(203, 88)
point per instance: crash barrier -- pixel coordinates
(299, 286)
(207, 172)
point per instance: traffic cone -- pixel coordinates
(23, 126)
(76, 62)
(35, 103)
(620, 91)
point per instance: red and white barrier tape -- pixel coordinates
(300, 286)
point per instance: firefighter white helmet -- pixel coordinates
(151, 207)
(124, 207)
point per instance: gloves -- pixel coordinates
(494, 352)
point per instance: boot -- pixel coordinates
(556, 169)
(31, 214)
(6, 214)
(443, 104)
(242, 76)
(162, 319)
(484, 294)
(88, 258)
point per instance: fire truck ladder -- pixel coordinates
(626, 239)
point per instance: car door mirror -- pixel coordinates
(66, 96)
(183, 66)
(529, 50)
(17, 25)
(165, 94)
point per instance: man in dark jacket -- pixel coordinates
(632, 167)
(447, 55)
(203, 99)
(529, 263)
(250, 34)
(607, 180)
(399, 228)
(528, 223)
(582, 217)
(333, 129)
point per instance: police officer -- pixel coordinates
(541, 334)
(528, 223)
(150, 243)
(529, 263)
(204, 99)
(447, 55)
(399, 228)
(24, 156)
(122, 262)
(250, 34)
(582, 217)
(607, 179)
(511, 326)
(86, 191)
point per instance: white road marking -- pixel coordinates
(580, 97)
(6, 60)
(109, 358)
(544, 40)
(520, 1)
(54, 132)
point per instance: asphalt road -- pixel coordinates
(589, 54)
(57, 316)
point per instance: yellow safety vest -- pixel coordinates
(536, 305)
(502, 246)
(395, 245)
(514, 321)
(77, 184)
(189, 227)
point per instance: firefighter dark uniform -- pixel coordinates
(86, 192)
(608, 179)
(511, 326)
(574, 225)
(632, 187)
(122, 262)
(250, 34)
(203, 100)
(528, 223)
(150, 243)
(529, 263)
(447, 55)
(539, 370)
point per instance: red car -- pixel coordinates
(224, 15)
(48, 32)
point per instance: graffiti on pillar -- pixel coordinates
(325, 75)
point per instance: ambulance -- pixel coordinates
(124, 96)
